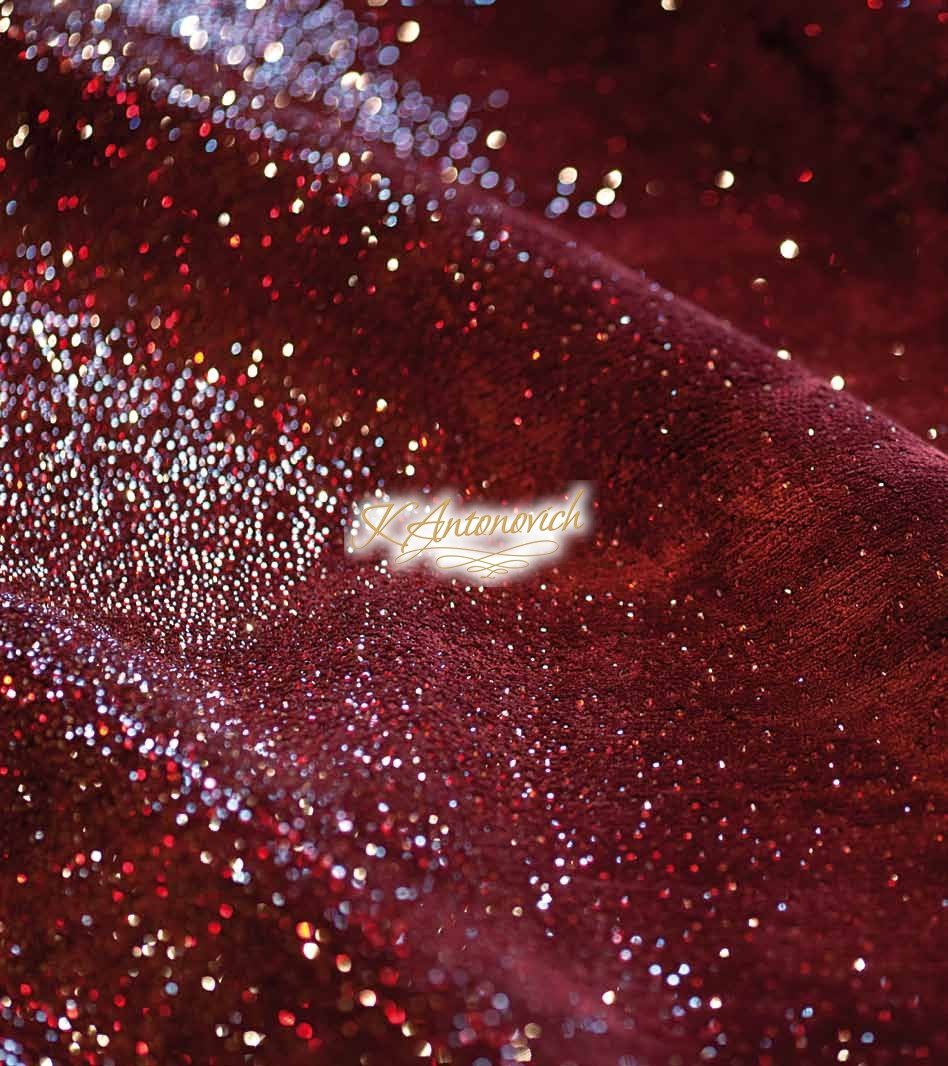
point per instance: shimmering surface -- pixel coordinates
(679, 799)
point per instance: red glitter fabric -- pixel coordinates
(676, 799)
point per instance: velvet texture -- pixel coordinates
(678, 798)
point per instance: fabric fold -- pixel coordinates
(675, 799)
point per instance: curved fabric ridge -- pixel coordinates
(262, 802)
